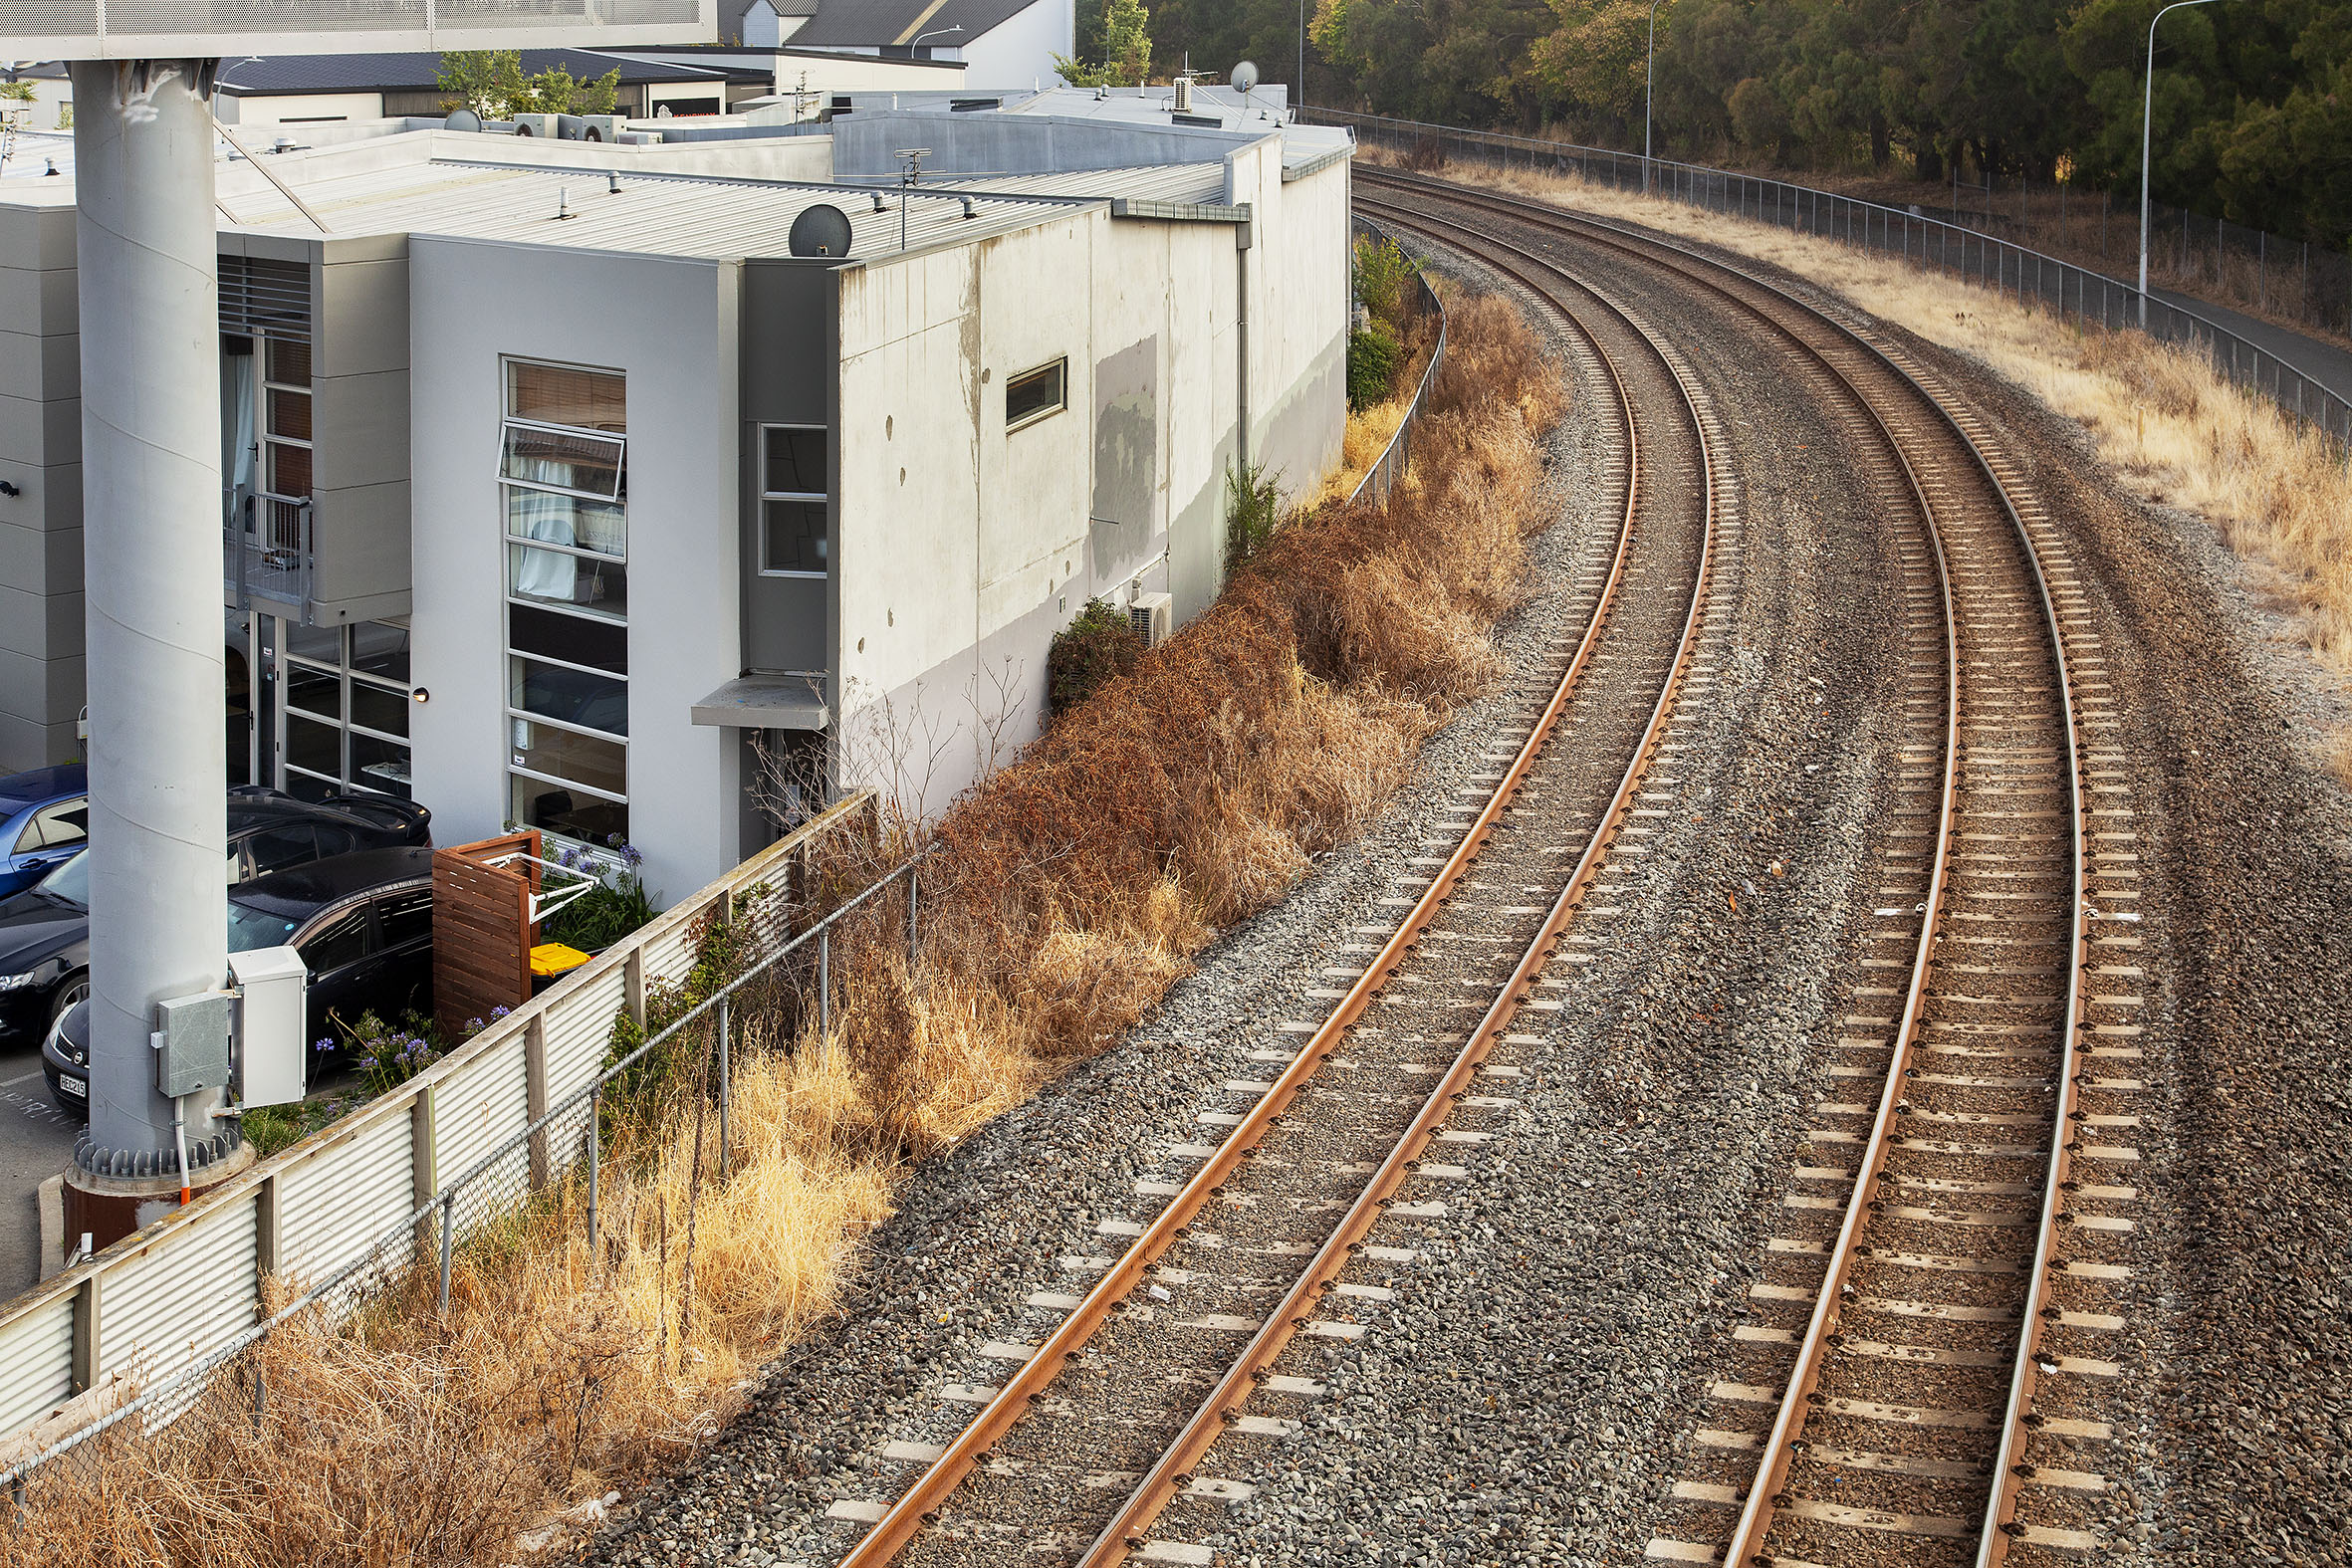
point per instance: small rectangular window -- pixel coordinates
(1034, 394)
(562, 395)
(793, 486)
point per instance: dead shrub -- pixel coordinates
(1068, 891)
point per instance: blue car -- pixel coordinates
(43, 822)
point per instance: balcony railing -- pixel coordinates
(269, 541)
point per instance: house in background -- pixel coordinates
(566, 488)
(1002, 44)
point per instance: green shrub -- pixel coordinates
(1252, 511)
(1384, 281)
(1098, 647)
(1373, 360)
(617, 905)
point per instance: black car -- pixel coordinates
(363, 924)
(45, 930)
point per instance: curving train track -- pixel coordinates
(1937, 1291)
(1904, 1390)
(1107, 1422)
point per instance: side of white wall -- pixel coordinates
(670, 327)
(1005, 535)
(1019, 50)
(278, 110)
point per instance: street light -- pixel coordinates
(934, 33)
(1649, 87)
(2147, 113)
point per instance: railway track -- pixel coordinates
(1110, 1420)
(1911, 1393)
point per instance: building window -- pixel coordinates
(564, 487)
(346, 695)
(792, 494)
(1034, 394)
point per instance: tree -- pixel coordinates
(491, 83)
(1126, 50)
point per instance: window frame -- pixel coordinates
(822, 499)
(348, 678)
(509, 542)
(1059, 368)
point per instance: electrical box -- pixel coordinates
(273, 1026)
(191, 1042)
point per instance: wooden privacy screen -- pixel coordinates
(481, 931)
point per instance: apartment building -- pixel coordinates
(564, 486)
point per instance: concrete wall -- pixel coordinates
(41, 455)
(1019, 50)
(964, 547)
(280, 108)
(671, 327)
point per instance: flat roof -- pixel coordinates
(665, 214)
(201, 29)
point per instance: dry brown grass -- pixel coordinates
(1369, 430)
(1074, 889)
(2170, 428)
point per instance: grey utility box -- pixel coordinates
(272, 1021)
(192, 1042)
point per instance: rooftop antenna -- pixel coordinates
(908, 179)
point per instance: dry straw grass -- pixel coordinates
(2167, 424)
(1073, 888)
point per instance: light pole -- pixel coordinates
(1299, 92)
(934, 33)
(2147, 113)
(1649, 87)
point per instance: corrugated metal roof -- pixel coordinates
(1200, 183)
(421, 72)
(649, 215)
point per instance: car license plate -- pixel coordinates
(74, 1086)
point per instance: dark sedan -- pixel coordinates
(363, 924)
(45, 930)
(44, 820)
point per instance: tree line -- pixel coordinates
(2252, 115)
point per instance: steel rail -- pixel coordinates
(1999, 1527)
(1172, 1472)
(920, 1504)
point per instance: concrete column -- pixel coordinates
(151, 540)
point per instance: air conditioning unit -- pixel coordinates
(1154, 616)
(548, 125)
(591, 127)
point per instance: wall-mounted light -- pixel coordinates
(420, 696)
(7, 489)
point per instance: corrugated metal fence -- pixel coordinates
(135, 1330)
(1384, 474)
(2030, 277)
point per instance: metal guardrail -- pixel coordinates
(2028, 276)
(360, 1203)
(1383, 475)
(270, 542)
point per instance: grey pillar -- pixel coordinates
(152, 541)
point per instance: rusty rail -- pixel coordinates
(2000, 1527)
(920, 1504)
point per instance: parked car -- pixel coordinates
(45, 930)
(363, 924)
(44, 820)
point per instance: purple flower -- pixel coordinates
(474, 1024)
(501, 1011)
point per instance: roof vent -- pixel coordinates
(879, 204)
(1213, 121)
(970, 208)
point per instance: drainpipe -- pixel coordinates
(151, 553)
(1241, 351)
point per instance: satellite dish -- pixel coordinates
(1245, 77)
(463, 119)
(821, 231)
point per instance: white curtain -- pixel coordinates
(239, 427)
(542, 515)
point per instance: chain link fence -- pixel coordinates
(1383, 475)
(772, 952)
(2030, 277)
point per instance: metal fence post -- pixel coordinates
(726, 1086)
(825, 984)
(596, 1145)
(910, 919)
(447, 1202)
